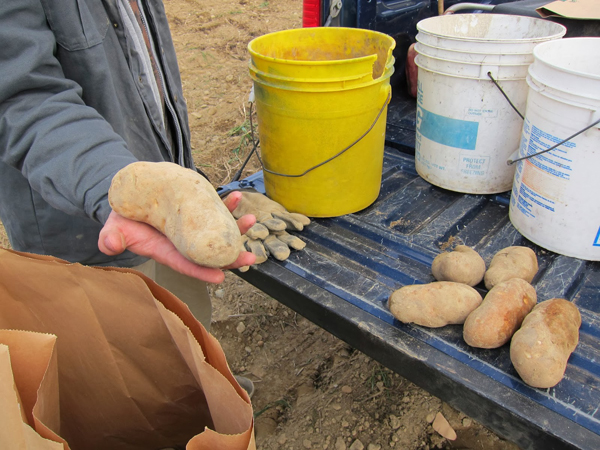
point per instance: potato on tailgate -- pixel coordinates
(182, 205)
(435, 304)
(511, 262)
(500, 314)
(463, 265)
(542, 346)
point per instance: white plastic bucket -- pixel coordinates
(554, 199)
(466, 129)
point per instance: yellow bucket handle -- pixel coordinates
(387, 101)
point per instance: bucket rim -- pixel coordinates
(486, 79)
(383, 79)
(566, 41)
(255, 70)
(332, 30)
(582, 102)
(558, 35)
(529, 54)
(527, 64)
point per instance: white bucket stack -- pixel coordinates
(466, 129)
(555, 199)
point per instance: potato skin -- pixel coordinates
(500, 314)
(182, 205)
(511, 262)
(435, 304)
(462, 265)
(542, 346)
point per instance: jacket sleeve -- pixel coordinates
(65, 149)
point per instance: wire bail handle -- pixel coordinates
(510, 162)
(387, 101)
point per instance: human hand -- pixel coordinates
(120, 234)
(268, 236)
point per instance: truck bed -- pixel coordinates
(343, 278)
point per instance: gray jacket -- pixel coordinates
(74, 109)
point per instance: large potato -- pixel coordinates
(542, 346)
(500, 314)
(462, 265)
(511, 262)
(182, 205)
(435, 304)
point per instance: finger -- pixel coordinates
(232, 200)
(111, 242)
(246, 222)
(291, 222)
(278, 249)
(258, 231)
(300, 218)
(274, 224)
(245, 259)
(258, 250)
(291, 241)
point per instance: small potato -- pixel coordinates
(435, 304)
(542, 346)
(182, 205)
(511, 262)
(462, 265)
(500, 314)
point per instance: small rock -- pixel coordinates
(229, 78)
(357, 445)
(306, 443)
(345, 424)
(346, 389)
(394, 422)
(336, 406)
(240, 327)
(407, 399)
(467, 422)
(282, 439)
(441, 425)
(373, 447)
(220, 293)
(248, 350)
(430, 417)
(340, 444)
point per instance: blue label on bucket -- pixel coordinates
(597, 240)
(447, 131)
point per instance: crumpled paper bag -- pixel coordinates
(134, 368)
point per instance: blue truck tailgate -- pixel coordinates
(341, 281)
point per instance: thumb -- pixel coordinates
(111, 242)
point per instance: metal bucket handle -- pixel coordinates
(387, 101)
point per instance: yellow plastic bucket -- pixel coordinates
(322, 137)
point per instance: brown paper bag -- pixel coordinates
(29, 360)
(135, 369)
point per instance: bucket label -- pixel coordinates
(597, 240)
(487, 113)
(446, 130)
(473, 165)
(556, 162)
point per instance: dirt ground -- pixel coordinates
(312, 390)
